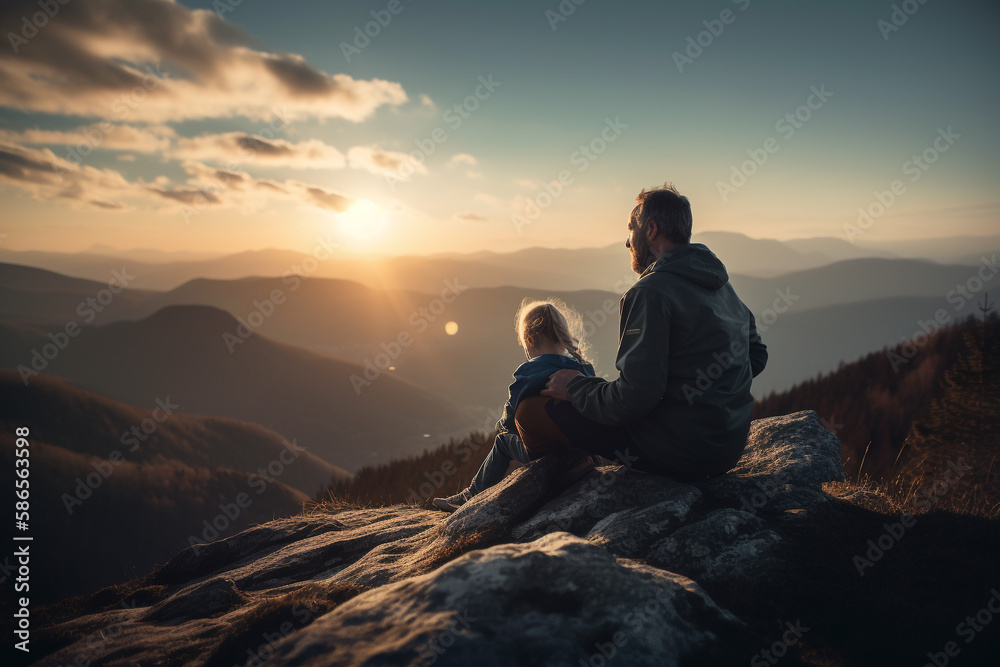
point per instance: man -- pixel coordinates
(688, 349)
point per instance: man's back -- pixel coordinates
(688, 351)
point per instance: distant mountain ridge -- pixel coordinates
(116, 489)
(542, 268)
(813, 319)
(181, 351)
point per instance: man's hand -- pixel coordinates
(556, 387)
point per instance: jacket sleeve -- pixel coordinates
(642, 364)
(758, 351)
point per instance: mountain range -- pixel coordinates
(541, 268)
(116, 489)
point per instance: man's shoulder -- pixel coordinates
(648, 287)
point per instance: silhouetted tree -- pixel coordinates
(961, 431)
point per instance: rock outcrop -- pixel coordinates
(617, 565)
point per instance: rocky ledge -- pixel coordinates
(618, 566)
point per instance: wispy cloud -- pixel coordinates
(239, 147)
(461, 158)
(47, 177)
(109, 136)
(382, 162)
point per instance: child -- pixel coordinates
(549, 343)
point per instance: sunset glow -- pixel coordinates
(259, 133)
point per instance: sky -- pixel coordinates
(414, 127)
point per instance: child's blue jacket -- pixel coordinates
(530, 379)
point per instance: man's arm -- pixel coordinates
(641, 364)
(758, 351)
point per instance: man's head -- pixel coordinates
(660, 221)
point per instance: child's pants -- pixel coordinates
(507, 446)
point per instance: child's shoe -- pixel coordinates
(452, 503)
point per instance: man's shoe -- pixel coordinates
(452, 503)
(574, 464)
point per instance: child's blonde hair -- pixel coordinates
(551, 318)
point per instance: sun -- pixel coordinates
(451, 328)
(363, 222)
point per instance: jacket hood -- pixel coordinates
(693, 262)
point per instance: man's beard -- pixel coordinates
(639, 248)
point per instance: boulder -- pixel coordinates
(527, 572)
(558, 600)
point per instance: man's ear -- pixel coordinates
(651, 230)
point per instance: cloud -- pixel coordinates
(109, 136)
(382, 162)
(47, 177)
(159, 61)
(240, 188)
(235, 148)
(461, 158)
(486, 198)
(470, 217)
(189, 196)
(327, 199)
(240, 148)
(526, 183)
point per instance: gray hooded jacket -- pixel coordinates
(688, 349)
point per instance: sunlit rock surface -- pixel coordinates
(617, 564)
